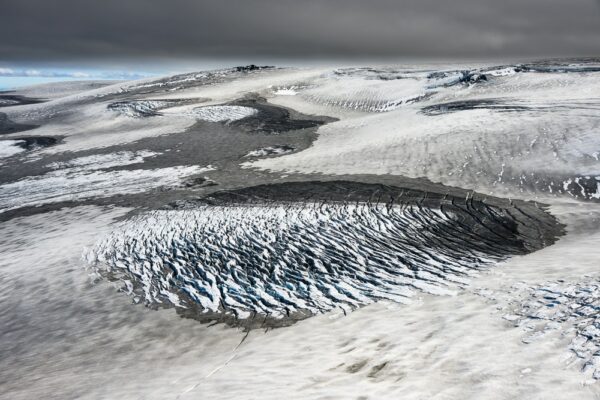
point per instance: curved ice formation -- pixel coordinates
(223, 113)
(147, 108)
(270, 151)
(278, 253)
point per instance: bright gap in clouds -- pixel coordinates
(14, 77)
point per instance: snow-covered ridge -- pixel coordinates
(180, 81)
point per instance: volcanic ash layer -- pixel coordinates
(273, 254)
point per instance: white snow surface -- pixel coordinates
(10, 148)
(519, 153)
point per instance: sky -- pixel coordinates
(156, 36)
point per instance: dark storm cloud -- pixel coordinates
(42, 30)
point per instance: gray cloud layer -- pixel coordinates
(42, 30)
